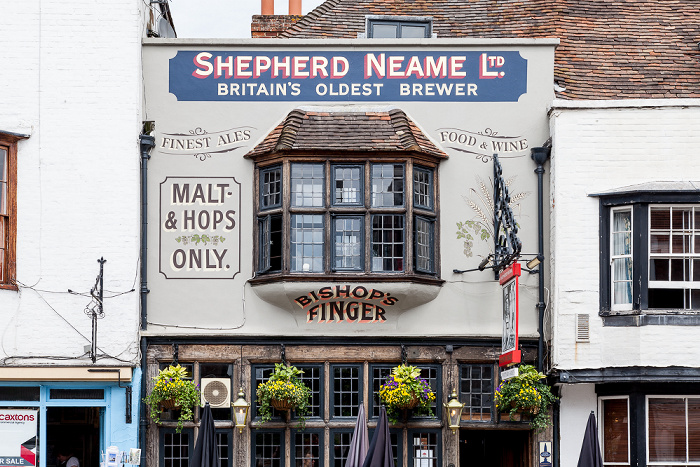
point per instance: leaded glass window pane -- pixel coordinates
(307, 243)
(348, 234)
(348, 185)
(387, 242)
(424, 244)
(346, 386)
(307, 185)
(387, 185)
(476, 392)
(271, 188)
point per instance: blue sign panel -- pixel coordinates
(463, 76)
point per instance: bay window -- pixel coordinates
(360, 217)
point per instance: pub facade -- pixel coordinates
(330, 204)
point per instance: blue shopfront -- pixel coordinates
(80, 410)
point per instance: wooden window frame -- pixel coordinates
(601, 429)
(320, 432)
(412, 432)
(261, 431)
(8, 263)
(332, 390)
(161, 444)
(332, 210)
(333, 460)
(684, 398)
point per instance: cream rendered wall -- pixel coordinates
(71, 80)
(599, 146)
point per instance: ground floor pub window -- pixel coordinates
(476, 392)
(396, 437)
(346, 387)
(425, 447)
(176, 447)
(340, 446)
(614, 428)
(268, 448)
(673, 435)
(224, 446)
(307, 448)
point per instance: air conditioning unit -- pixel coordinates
(216, 391)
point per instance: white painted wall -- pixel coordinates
(600, 146)
(72, 81)
(577, 402)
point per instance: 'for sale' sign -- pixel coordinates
(18, 437)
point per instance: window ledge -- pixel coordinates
(298, 293)
(655, 318)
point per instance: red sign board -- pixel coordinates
(508, 279)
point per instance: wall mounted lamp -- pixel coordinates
(240, 410)
(241, 406)
(454, 411)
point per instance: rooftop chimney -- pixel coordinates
(267, 7)
(268, 25)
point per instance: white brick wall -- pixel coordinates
(72, 80)
(596, 150)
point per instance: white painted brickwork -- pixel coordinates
(71, 79)
(596, 150)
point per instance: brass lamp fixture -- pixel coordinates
(454, 406)
(454, 411)
(241, 406)
(240, 410)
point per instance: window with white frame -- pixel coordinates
(673, 430)
(651, 253)
(621, 258)
(674, 257)
(614, 426)
(340, 217)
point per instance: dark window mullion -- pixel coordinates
(286, 218)
(640, 256)
(329, 244)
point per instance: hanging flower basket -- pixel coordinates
(284, 391)
(527, 410)
(282, 404)
(526, 394)
(405, 390)
(410, 404)
(172, 390)
(169, 404)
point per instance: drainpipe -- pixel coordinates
(148, 142)
(540, 156)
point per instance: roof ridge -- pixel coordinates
(323, 8)
(399, 120)
(290, 129)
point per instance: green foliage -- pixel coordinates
(528, 394)
(469, 230)
(405, 389)
(171, 384)
(284, 385)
